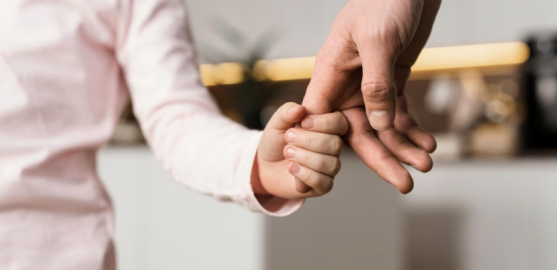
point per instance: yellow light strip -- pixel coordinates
(472, 56)
(431, 59)
(223, 73)
(290, 69)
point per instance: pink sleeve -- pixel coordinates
(198, 146)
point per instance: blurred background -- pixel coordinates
(486, 86)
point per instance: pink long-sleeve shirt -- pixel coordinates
(67, 68)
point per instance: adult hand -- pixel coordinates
(362, 69)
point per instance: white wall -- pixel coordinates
(357, 226)
(162, 225)
(483, 215)
(302, 25)
(305, 24)
(487, 21)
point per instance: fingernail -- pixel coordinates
(290, 152)
(291, 137)
(294, 168)
(308, 123)
(380, 120)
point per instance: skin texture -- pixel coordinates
(310, 154)
(363, 68)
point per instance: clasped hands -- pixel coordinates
(356, 93)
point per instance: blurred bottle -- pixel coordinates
(540, 82)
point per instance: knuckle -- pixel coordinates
(306, 159)
(388, 33)
(327, 184)
(320, 182)
(326, 124)
(329, 166)
(301, 139)
(337, 145)
(344, 124)
(311, 141)
(335, 166)
(323, 165)
(307, 178)
(339, 124)
(376, 88)
(304, 176)
(284, 108)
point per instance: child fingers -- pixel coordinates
(272, 140)
(314, 141)
(331, 123)
(321, 183)
(286, 116)
(325, 164)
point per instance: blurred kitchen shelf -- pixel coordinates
(490, 59)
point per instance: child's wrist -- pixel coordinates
(255, 180)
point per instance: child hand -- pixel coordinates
(287, 153)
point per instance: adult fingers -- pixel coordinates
(405, 151)
(378, 83)
(331, 75)
(415, 134)
(427, 18)
(405, 124)
(375, 155)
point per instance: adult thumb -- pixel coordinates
(378, 84)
